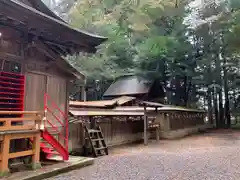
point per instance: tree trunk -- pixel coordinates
(221, 110)
(226, 93)
(219, 91)
(215, 103)
(210, 108)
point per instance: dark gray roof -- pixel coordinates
(41, 13)
(128, 85)
(40, 10)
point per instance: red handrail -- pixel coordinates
(57, 118)
(55, 105)
(47, 100)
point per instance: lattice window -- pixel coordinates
(13, 67)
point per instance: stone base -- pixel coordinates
(5, 173)
(36, 166)
(52, 170)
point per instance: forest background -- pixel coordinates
(190, 46)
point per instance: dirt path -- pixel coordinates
(212, 156)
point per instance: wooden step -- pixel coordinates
(94, 140)
(53, 152)
(100, 148)
(47, 145)
(93, 131)
(100, 154)
(56, 157)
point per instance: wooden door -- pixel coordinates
(35, 87)
(34, 92)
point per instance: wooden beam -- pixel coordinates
(61, 47)
(145, 126)
(21, 154)
(19, 112)
(22, 136)
(18, 119)
(13, 128)
(61, 63)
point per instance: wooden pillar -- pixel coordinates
(5, 155)
(145, 126)
(36, 152)
(157, 134)
(83, 91)
(93, 124)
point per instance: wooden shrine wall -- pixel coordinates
(34, 92)
(177, 120)
(41, 72)
(181, 120)
(121, 131)
(44, 78)
(116, 131)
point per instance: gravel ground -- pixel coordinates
(212, 156)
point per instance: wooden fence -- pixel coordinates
(119, 130)
(116, 131)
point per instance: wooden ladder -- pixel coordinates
(95, 139)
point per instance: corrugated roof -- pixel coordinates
(105, 113)
(124, 99)
(102, 103)
(163, 108)
(125, 111)
(128, 85)
(176, 108)
(151, 104)
(132, 108)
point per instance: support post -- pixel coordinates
(157, 134)
(36, 152)
(93, 124)
(145, 126)
(83, 91)
(5, 155)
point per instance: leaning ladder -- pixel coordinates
(94, 138)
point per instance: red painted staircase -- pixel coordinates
(55, 127)
(54, 131)
(57, 149)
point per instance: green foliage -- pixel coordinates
(151, 38)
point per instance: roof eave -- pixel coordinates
(94, 40)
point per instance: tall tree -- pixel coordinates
(195, 63)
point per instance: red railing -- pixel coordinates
(49, 104)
